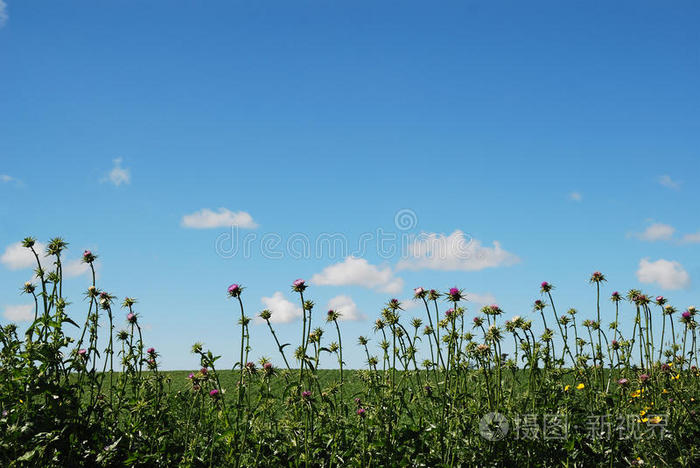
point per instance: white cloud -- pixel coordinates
(347, 308)
(17, 257)
(655, 232)
(667, 181)
(4, 178)
(206, 219)
(19, 313)
(359, 272)
(481, 299)
(77, 267)
(118, 175)
(667, 274)
(693, 238)
(454, 252)
(3, 13)
(283, 311)
(575, 196)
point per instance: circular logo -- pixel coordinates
(405, 219)
(493, 426)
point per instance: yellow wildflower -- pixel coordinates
(642, 413)
(566, 389)
(580, 386)
(636, 394)
(655, 420)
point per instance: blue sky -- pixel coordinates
(550, 139)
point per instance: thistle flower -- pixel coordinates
(191, 376)
(299, 285)
(214, 394)
(151, 350)
(267, 367)
(685, 316)
(122, 335)
(82, 353)
(362, 340)
(455, 294)
(597, 277)
(660, 300)
(28, 288)
(615, 344)
(449, 312)
(394, 304)
(361, 412)
(545, 287)
(131, 318)
(433, 295)
(28, 242)
(643, 378)
(419, 293)
(250, 367)
(128, 302)
(306, 394)
(623, 382)
(203, 371)
(265, 315)
(615, 297)
(539, 305)
(669, 309)
(332, 316)
(88, 257)
(478, 321)
(235, 290)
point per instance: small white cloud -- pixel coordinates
(668, 182)
(454, 252)
(693, 238)
(346, 307)
(575, 196)
(655, 232)
(283, 311)
(4, 178)
(19, 313)
(18, 257)
(481, 299)
(118, 175)
(355, 271)
(667, 274)
(3, 13)
(73, 268)
(206, 219)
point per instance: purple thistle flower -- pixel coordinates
(299, 285)
(214, 393)
(361, 412)
(234, 290)
(131, 318)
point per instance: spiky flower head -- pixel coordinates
(455, 294)
(546, 287)
(128, 302)
(235, 290)
(416, 322)
(299, 285)
(419, 293)
(478, 321)
(597, 277)
(394, 304)
(539, 305)
(265, 314)
(56, 246)
(433, 295)
(378, 324)
(361, 412)
(660, 300)
(214, 394)
(131, 318)
(362, 340)
(28, 288)
(88, 257)
(308, 305)
(332, 316)
(615, 297)
(28, 242)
